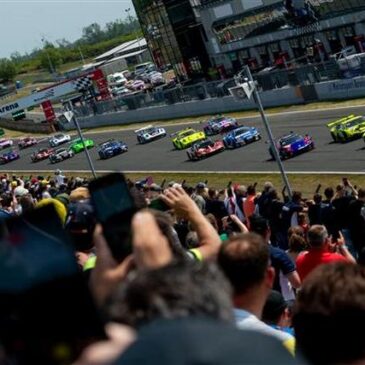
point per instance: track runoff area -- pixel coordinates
(160, 155)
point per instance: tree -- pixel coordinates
(8, 70)
(50, 58)
(92, 33)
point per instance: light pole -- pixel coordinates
(250, 87)
(48, 57)
(70, 116)
(128, 11)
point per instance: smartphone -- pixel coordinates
(47, 314)
(255, 184)
(159, 204)
(114, 209)
(318, 188)
(229, 184)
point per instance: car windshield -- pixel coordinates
(240, 131)
(75, 141)
(187, 133)
(205, 144)
(353, 123)
(149, 130)
(218, 119)
(58, 136)
(60, 150)
(289, 140)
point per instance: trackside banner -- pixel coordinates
(38, 98)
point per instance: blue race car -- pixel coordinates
(9, 156)
(111, 148)
(292, 144)
(241, 136)
(219, 124)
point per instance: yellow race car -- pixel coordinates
(186, 138)
(347, 128)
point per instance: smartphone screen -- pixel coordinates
(47, 315)
(114, 208)
(159, 204)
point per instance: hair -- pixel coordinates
(329, 193)
(274, 308)
(298, 230)
(212, 193)
(329, 316)
(302, 218)
(26, 203)
(297, 243)
(297, 196)
(259, 225)
(179, 290)
(244, 259)
(361, 193)
(164, 222)
(317, 235)
(251, 190)
(212, 220)
(317, 198)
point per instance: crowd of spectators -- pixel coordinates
(230, 276)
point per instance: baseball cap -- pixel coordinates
(155, 187)
(20, 191)
(63, 198)
(274, 307)
(201, 185)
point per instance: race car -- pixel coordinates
(241, 136)
(347, 128)
(149, 133)
(60, 155)
(205, 148)
(111, 148)
(77, 145)
(9, 156)
(186, 138)
(219, 124)
(59, 139)
(41, 154)
(5, 143)
(27, 142)
(292, 144)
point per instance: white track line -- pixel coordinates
(198, 172)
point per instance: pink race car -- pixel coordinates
(27, 142)
(5, 143)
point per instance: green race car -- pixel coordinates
(186, 138)
(347, 128)
(77, 146)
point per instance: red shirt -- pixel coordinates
(313, 258)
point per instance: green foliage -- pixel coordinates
(8, 70)
(50, 58)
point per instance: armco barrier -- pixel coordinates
(27, 126)
(272, 98)
(341, 89)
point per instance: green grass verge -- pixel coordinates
(306, 183)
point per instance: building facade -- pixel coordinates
(264, 33)
(174, 35)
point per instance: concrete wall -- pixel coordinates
(341, 89)
(272, 98)
(26, 125)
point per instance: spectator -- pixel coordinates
(297, 246)
(263, 202)
(357, 222)
(199, 196)
(215, 206)
(245, 260)
(280, 260)
(276, 313)
(319, 251)
(249, 204)
(329, 317)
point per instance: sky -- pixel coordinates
(23, 23)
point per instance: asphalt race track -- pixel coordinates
(160, 155)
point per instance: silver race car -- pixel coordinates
(149, 133)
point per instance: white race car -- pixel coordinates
(149, 133)
(5, 143)
(59, 139)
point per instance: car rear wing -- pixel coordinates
(178, 132)
(340, 121)
(144, 128)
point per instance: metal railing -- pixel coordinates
(267, 80)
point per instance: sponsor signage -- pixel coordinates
(48, 111)
(37, 98)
